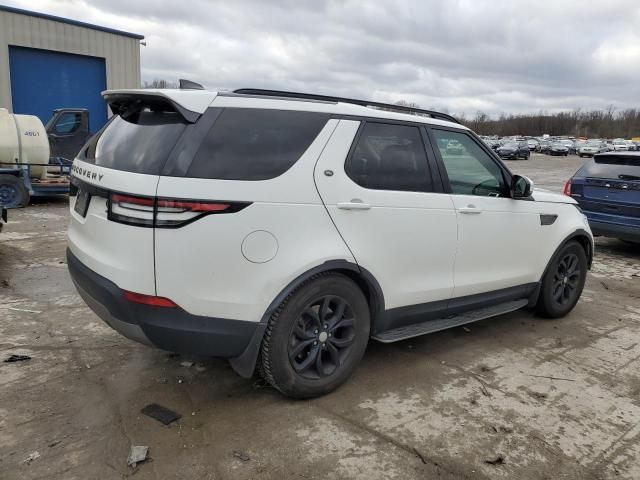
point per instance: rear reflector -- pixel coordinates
(567, 188)
(148, 299)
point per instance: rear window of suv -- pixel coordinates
(139, 143)
(255, 144)
(623, 167)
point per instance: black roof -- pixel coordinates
(5, 8)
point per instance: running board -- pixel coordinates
(431, 326)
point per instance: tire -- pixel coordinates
(308, 350)
(13, 193)
(563, 281)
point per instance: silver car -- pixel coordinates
(591, 148)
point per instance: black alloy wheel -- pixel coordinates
(316, 337)
(566, 279)
(563, 281)
(321, 337)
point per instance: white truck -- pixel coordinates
(35, 159)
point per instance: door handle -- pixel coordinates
(470, 210)
(355, 204)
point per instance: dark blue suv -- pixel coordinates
(607, 188)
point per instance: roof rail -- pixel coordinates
(364, 103)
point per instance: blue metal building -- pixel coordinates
(49, 62)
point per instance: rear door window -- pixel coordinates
(390, 157)
(255, 144)
(139, 142)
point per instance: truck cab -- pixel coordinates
(68, 131)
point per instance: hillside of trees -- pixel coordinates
(607, 123)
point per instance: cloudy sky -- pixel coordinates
(509, 56)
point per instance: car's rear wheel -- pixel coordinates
(316, 337)
(563, 282)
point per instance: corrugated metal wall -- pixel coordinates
(121, 53)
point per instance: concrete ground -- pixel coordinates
(511, 397)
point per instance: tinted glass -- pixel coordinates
(472, 172)
(255, 144)
(622, 167)
(68, 122)
(140, 144)
(390, 157)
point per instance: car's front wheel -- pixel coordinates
(563, 281)
(316, 337)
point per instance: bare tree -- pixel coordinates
(607, 123)
(160, 84)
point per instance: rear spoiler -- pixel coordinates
(122, 100)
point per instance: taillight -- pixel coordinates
(567, 188)
(131, 209)
(148, 299)
(164, 212)
(173, 212)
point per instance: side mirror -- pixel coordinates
(521, 187)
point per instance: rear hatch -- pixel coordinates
(113, 189)
(609, 185)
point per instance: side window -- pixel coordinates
(470, 169)
(255, 144)
(390, 157)
(68, 122)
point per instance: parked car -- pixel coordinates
(495, 144)
(620, 145)
(631, 146)
(557, 148)
(454, 147)
(577, 145)
(591, 148)
(544, 146)
(607, 189)
(571, 146)
(287, 230)
(514, 150)
(533, 144)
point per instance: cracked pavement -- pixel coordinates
(553, 399)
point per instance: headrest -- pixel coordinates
(397, 159)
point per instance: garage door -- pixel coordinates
(43, 80)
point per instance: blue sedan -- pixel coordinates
(607, 188)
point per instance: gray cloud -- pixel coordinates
(460, 55)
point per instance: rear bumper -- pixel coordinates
(614, 230)
(171, 329)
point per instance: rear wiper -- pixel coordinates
(628, 177)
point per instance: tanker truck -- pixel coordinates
(35, 160)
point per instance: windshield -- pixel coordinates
(510, 145)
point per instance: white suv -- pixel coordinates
(283, 231)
